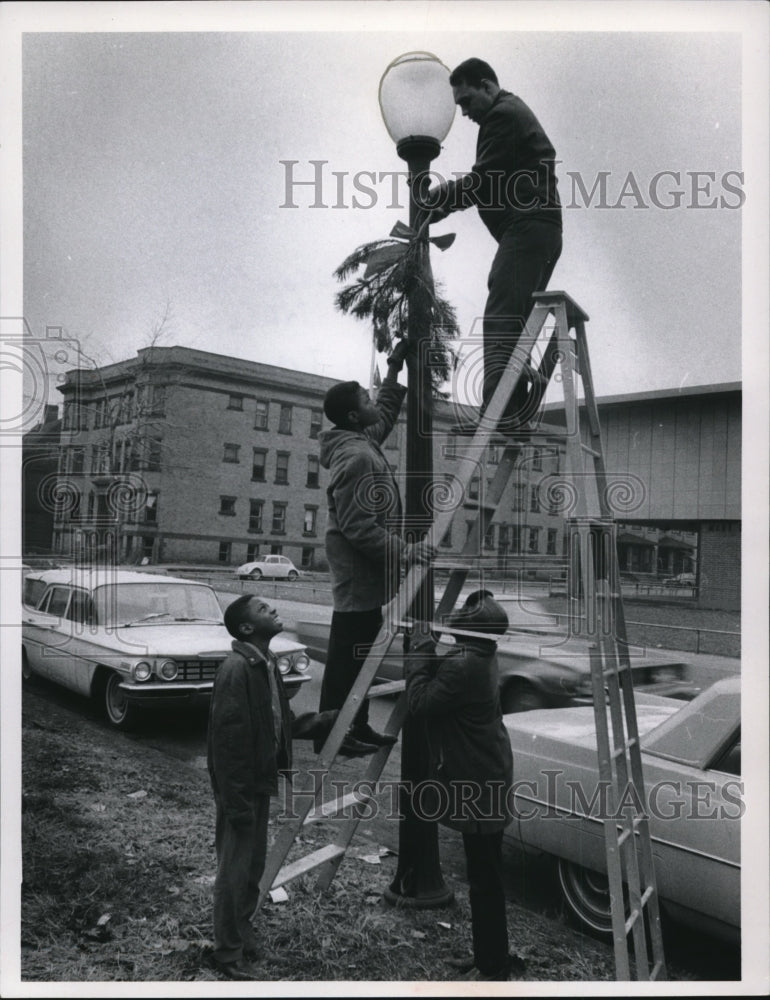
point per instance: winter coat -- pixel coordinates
(245, 754)
(471, 764)
(363, 532)
(514, 173)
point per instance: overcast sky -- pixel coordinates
(153, 174)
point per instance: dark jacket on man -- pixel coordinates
(363, 533)
(250, 730)
(470, 753)
(514, 176)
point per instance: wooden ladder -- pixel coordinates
(594, 577)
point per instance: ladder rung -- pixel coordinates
(635, 822)
(382, 690)
(325, 810)
(635, 914)
(307, 864)
(622, 749)
(590, 451)
(657, 969)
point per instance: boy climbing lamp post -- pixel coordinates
(418, 110)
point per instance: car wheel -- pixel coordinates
(119, 712)
(256, 574)
(521, 696)
(26, 670)
(587, 895)
(293, 574)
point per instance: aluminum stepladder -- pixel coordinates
(594, 575)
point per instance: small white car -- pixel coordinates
(132, 640)
(274, 567)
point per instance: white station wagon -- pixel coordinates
(132, 640)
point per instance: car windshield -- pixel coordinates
(155, 602)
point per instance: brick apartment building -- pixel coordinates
(180, 455)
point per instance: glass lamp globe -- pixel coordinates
(416, 100)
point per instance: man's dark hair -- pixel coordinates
(339, 401)
(235, 614)
(471, 73)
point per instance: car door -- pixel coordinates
(695, 827)
(45, 634)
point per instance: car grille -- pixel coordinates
(197, 670)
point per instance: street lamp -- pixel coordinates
(418, 110)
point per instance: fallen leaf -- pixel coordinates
(419, 934)
(98, 807)
(371, 859)
(141, 794)
(441, 923)
(279, 895)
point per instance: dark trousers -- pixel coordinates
(525, 259)
(484, 859)
(241, 853)
(350, 639)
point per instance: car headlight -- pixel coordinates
(302, 663)
(168, 670)
(141, 671)
(284, 664)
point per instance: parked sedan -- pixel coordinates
(275, 567)
(542, 671)
(691, 757)
(132, 640)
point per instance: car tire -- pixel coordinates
(117, 710)
(521, 696)
(587, 895)
(256, 574)
(27, 674)
(293, 574)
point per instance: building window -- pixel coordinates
(91, 499)
(153, 459)
(99, 413)
(157, 405)
(258, 458)
(279, 518)
(516, 538)
(261, 415)
(534, 499)
(518, 496)
(282, 468)
(276, 550)
(231, 453)
(537, 459)
(255, 515)
(313, 467)
(534, 536)
(502, 538)
(450, 448)
(308, 557)
(311, 517)
(473, 488)
(224, 551)
(494, 455)
(235, 402)
(284, 422)
(252, 551)
(227, 506)
(551, 542)
(151, 508)
(95, 456)
(316, 418)
(78, 459)
(489, 537)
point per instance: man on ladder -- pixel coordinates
(513, 185)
